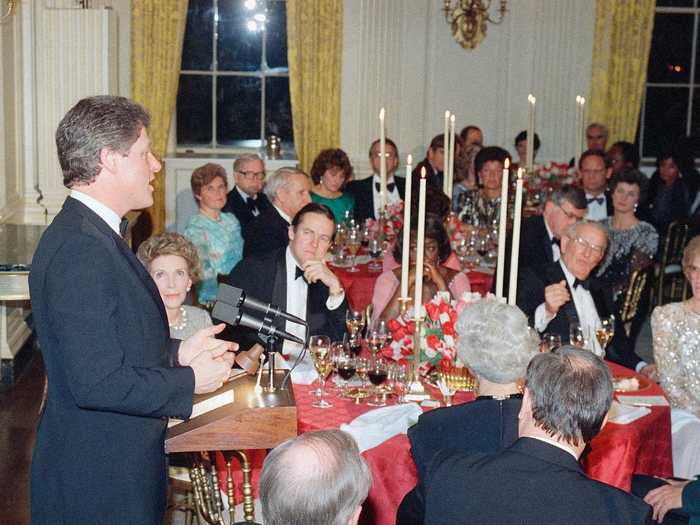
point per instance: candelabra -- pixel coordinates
(468, 18)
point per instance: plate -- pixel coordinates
(644, 384)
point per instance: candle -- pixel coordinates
(382, 159)
(577, 130)
(406, 246)
(530, 157)
(500, 269)
(451, 159)
(582, 129)
(446, 152)
(515, 247)
(420, 247)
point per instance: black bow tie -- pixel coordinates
(251, 203)
(389, 187)
(123, 227)
(585, 283)
(556, 241)
(598, 200)
(300, 273)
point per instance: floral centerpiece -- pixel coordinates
(393, 220)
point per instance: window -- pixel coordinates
(671, 106)
(234, 78)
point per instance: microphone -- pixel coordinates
(238, 298)
(233, 316)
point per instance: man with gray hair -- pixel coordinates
(317, 478)
(539, 479)
(288, 189)
(246, 200)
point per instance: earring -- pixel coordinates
(189, 288)
(635, 206)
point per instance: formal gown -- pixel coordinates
(192, 319)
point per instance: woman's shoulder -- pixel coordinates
(668, 311)
(198, 315)
(229, 218)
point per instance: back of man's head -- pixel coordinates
(317, 478)
(570, 392)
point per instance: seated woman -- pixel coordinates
(669, 196)
(632, 243)
(482, 207)
(521, 149)
(465, 174)
(436, 277)
(216, 235)
(173, 263)
(330, 172)
(497, 344)
(676, 337)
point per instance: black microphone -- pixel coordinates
(233, 316)
(238, 298)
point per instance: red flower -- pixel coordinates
(432, 341)
(448, 328)
(444, 307)
(445, 362)
(433, 310)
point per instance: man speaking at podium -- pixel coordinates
(114, 375)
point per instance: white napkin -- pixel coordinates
(625, 414)
(376, 426)
(304, 373)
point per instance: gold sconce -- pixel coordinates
(10, 6)
(468, 18)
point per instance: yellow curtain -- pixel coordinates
(157, 32)
(622, 39)
(314, 43)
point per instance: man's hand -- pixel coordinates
(318, 271)
(666, 498)
(433, 273)
(204, 340)
(650, 371)
(210, 370)
(555, 296)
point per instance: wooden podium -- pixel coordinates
(251, 421)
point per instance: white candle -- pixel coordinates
(446, 152)
(515, 247)
(500, 269)
(382, 159)
(420, 247)
(451, 160)
(577, 130)
(530, 157)
(406, 246)
(582, 130)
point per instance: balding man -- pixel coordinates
(288, 191)
(317, 478)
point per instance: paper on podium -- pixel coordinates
(209, 404)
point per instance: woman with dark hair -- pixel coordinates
(669, 198)
(520, 144)
(330, 173)
(436, 277)
(632, 243)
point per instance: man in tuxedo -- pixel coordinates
(538, 479)
(114, 374)
(596, 136)
(434, 163)
(367, 191)
(560, 294)
(595, 173)
(297, 279)
(288, 189)
(246, 200)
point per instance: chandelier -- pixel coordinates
(10, 7)
(467, 19)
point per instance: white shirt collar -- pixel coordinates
(105, 213)
(549, 232)
(284, 215)
(244, 195)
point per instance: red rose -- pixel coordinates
(433, 311)
(444, 308)
(446, 363)
(432, 341)
(394, 325)
(448, 328)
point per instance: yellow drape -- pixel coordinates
(622, 39)
(314, 43)
(157, 32)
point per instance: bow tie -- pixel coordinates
(300, 273)
(123, 227)
(598, 200)
(556, 241)
(585, 283)
(389, 187)
(251, 203)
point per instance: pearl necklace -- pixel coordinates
(181, 322)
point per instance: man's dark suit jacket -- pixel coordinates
(484, 426)
(531, 284)
(236, 205)
(531, 482)
(265, 233)
(609, 208)
(112, 379)
(364, 196)
(265, 279)
(432, 177)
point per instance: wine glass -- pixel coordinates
(319, 345)
(353, 244)
(577, 335)
(355, 322)
(362, 369)
(550, 342)
(398, 380)
(346, 369)
(377, 374)
(375, 251)
(606, 331)
(377, 337)
(355, 346)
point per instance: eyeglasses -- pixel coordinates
(593, 172)
(585, 245)
(259, 175)
(595, 137)
(570, 215)
(388, 155)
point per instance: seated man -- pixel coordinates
(246, 200)
(560, 294)
(297, 279)
(434, 163)
(288, 190)
(538, 479)
(366, 191)
(595, 173)
(317, 478)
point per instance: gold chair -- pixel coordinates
(633, 295)
(670, 272)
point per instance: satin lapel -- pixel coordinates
(279, 284)
(601, 304)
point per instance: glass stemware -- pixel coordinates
(320, 349)
(550, 342)
(362, 369)
(398, 380)
(375, 251)
(377, 337)
(318, 344)
(354, 241)
(606, 331)
(377, 374)
(577, 335)
(345, 366)
(355, 322)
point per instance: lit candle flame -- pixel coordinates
(381, 114)
(409, 159)
(423, 173)
(531, 99)
(506, 164)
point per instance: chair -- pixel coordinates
(633, 296)
(670, 272)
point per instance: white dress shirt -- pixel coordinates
(106, 213)
(392, 197)
(596, 211)
(245, 198)
(284, 215)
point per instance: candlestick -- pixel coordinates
(451, 158)
(382, 159)
(420, 246)
(500, 269)
(515, 247)
(406, 246)
(446, 152)
(577, 130)
(582, 129)
(530, 157)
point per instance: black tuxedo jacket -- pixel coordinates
(112, 379)
(265, 279)
(531, 284)
(236, 205)
(265, 233)
(364, 196)
(531, 482)
(609, 209)
(433, 178)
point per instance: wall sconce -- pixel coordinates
(468, 18)
(10, 7)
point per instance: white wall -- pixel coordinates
(401, 55)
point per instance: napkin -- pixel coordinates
(304, 373)
(376, 426)
(625, 414)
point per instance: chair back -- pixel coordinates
(670, 282)
(633, 295)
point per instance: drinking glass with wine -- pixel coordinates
(317, 345)
(353, 243)
(346, 370)
(362, 369)
(606, 331)
(377, 337)
(375, 252)
(377, 374)
(355, 322)
(320, 350)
